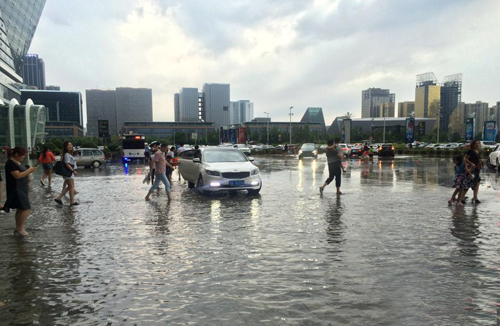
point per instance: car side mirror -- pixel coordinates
(196, 160)
(251, 159)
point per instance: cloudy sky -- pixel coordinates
(275, 53)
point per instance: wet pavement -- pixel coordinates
(389, 251)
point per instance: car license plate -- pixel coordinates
(236, 183)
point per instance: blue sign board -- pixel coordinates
(490, 131)
(469, 129)
(232, 136)
(410, 130)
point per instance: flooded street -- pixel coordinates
(389, 251)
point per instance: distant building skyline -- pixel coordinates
(372, 98)
(34, 71)
(60, 106)
(405, 109)
(241, 111)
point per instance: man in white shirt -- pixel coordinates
(179, 151)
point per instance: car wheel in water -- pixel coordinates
(96, 164)
(190, 185)
(498, 165)
(199, 185)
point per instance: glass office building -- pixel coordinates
(18, 22)
(22, 125)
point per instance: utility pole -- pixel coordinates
(267, 127)
(291, 124)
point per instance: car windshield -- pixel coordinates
(307, 147)
(489, 143)
(224, 156)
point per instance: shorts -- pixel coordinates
(48, 166)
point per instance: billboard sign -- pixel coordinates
(232, 136)
(346, 130)
(490, 131)
(103, 127)
(410, 130)
(242, 139)
(224, 136)
(421, 129)
(469, 129)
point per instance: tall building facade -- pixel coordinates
(101, 105)
(118, 106)
(405, 109)
(241, 111)
(60, 106)
(133, 105)
(480, 112)
(427, 96)
(216, 100)
(372, 98)
(189, 105)
(177, 108)
(451, 95)
(34, 71)
(313, 114)
(18, 22)
(457, 120)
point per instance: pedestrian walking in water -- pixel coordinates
(334, 158)
(461, 180)
(47, 159)
(285, 150)
(161, 165)
(179, 152)
(69, 182)
(16, 176)
(170, 158)
(472, 158)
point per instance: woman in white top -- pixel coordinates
(69, 162)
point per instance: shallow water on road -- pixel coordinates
(389, 251)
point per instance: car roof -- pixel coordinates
(88, 148)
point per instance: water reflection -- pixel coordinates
(465, 228)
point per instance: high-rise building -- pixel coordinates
(18, 22)
(457, 120)
(216, 104)
(189, 104)
(133, 105)
(101, 105)
(451, 95)
(480, 112)
(118, 106)
(372, 98)
(406, 108)
(34, 71)
(313, 114)
(241, 111)
(60, 106)
(427, 96)
(177, 108)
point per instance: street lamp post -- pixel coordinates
(267, 127)
(291, 124)
(383, 141)
(439, 122)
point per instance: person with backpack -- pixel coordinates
(334, 157)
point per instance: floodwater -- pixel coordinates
(389, 251)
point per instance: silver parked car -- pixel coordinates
(89, 157)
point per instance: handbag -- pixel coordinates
(61, 169)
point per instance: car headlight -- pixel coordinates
(214, 173)
(255, 172)
(300, 152)
(315, 152)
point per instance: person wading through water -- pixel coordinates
(334, 157)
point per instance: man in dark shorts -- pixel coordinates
(334, 157)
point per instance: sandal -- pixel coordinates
(75, 204)
(477, 201)
(58, 201)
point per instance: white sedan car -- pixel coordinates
(494, 159)
(218, 169)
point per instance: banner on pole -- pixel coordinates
(469, 129)
(224, 136)
(242, 135)
(410, 130)
(490, 131)
(421, 129)
(232, 136)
